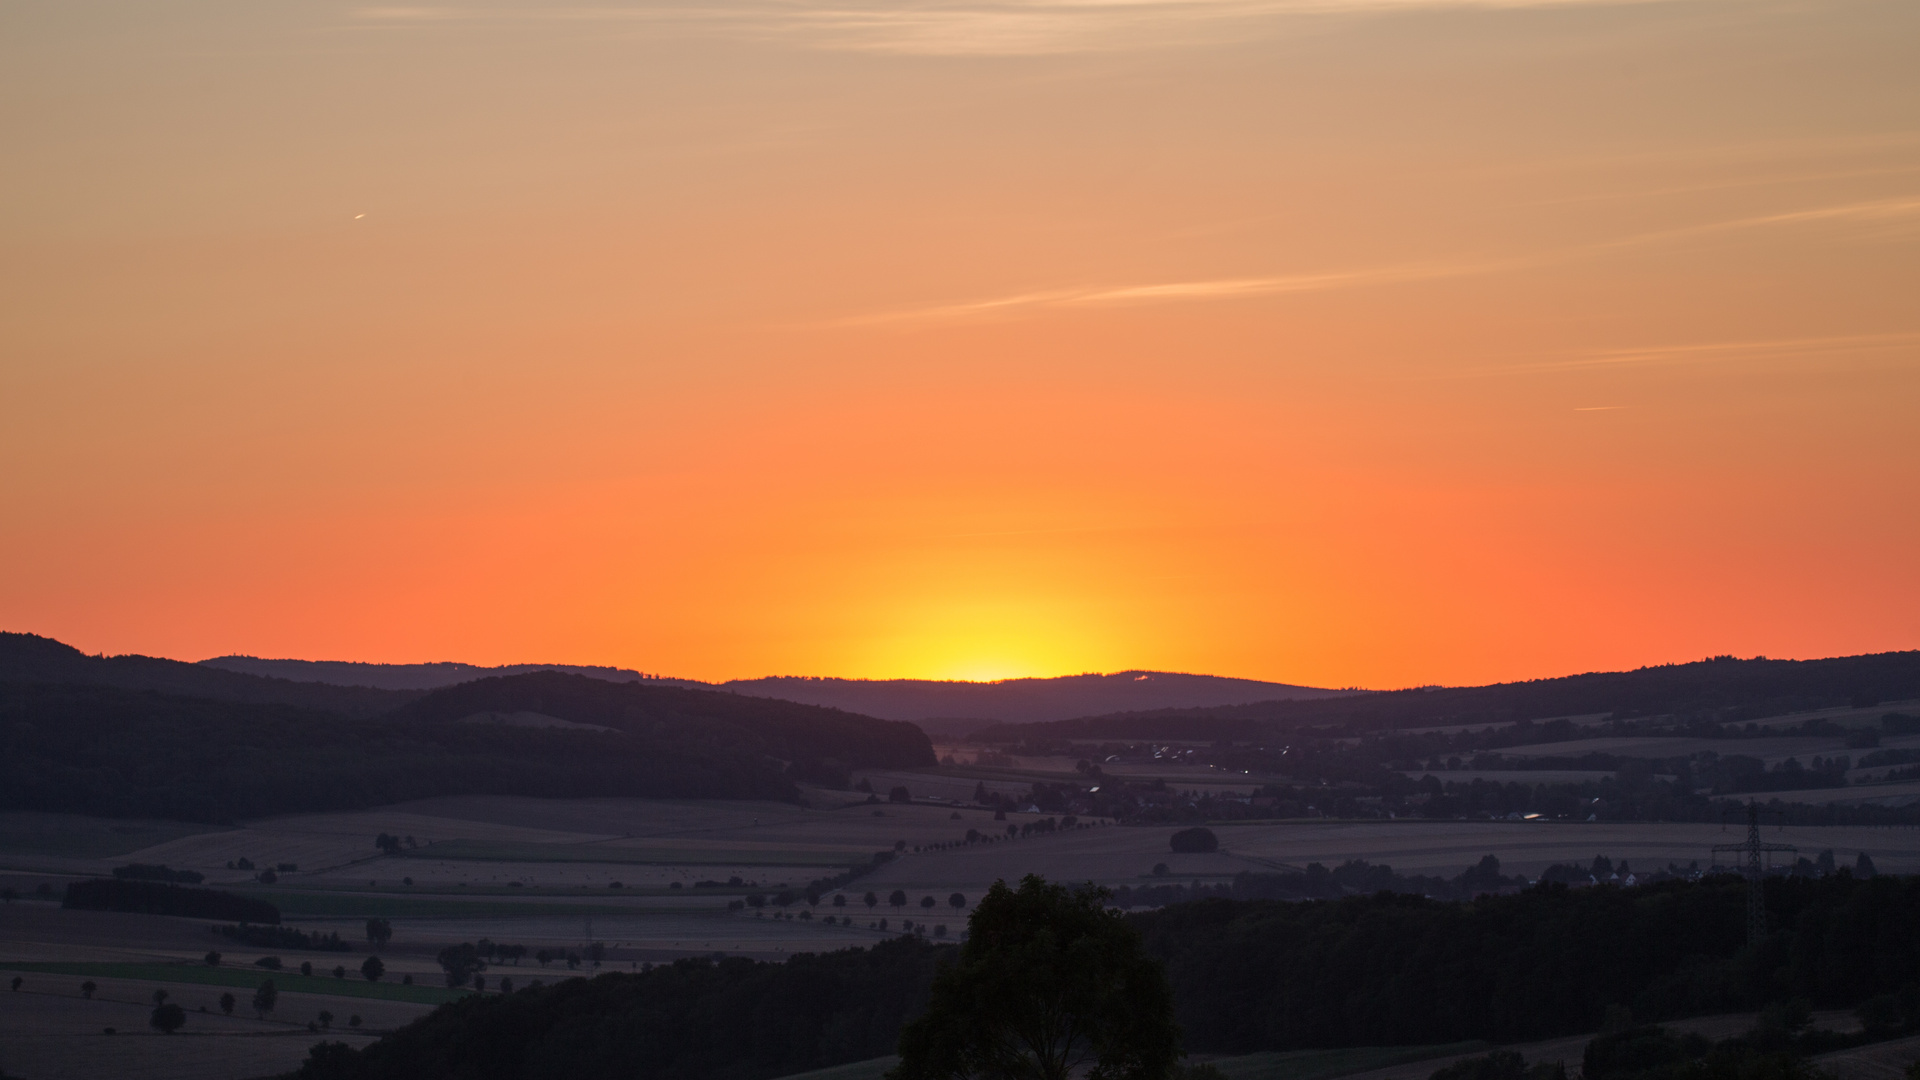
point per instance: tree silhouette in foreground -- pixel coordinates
(1050, 985)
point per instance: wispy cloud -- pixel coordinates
(1891, 216)
(1720, 352)
(1885, 217)
(959, 27)
(1213, 289)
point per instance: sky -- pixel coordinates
(1335, 342)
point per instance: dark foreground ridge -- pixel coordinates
(1246, 975)
(106, 750)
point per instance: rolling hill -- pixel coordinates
(941, 707)
(1723, 688)
(30, 658)
(75, 737)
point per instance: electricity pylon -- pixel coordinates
(1756, 895)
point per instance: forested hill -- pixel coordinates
(806, 734)
(421, 677)
(945, 706)
(1723, 689)
(30, 658)
(111, 751)
(1025, 700)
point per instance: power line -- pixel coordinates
(1756, 874)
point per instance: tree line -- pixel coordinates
(1244, 976)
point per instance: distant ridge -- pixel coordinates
(430, 676)
(1721, 688)
(30, 658)
(948, 708)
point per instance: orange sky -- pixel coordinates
(1340, 342)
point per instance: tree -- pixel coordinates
(339, 971)
(899, 794)
(160, 997)
(167, 1019)
(460, 962)
(325, 1018)
(839, 900)
(1863, 866)
(927, 902)
(379, 932)
(957, 901)
(213, 959)
(265, 998)
(306, 967)
(372, 968)
(1049, 985)
(1194, 841)
(870, 900)
(227, 1002)
(87, 989)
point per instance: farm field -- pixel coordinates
(49, 1030)
(564, 854)
(456, 884)
(1770, 749)
(540, 844)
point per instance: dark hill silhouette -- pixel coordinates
(943, 707)
(784, 729)
(1026, 700)
(431, 676)
(104, 749)
(1727, 688)
(30, 658)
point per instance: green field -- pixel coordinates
(250, 978)
(502, 851)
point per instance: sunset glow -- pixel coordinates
(1333, 342)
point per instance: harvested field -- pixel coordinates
(1770, 749)
(1510, 776)
(1125, 855)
